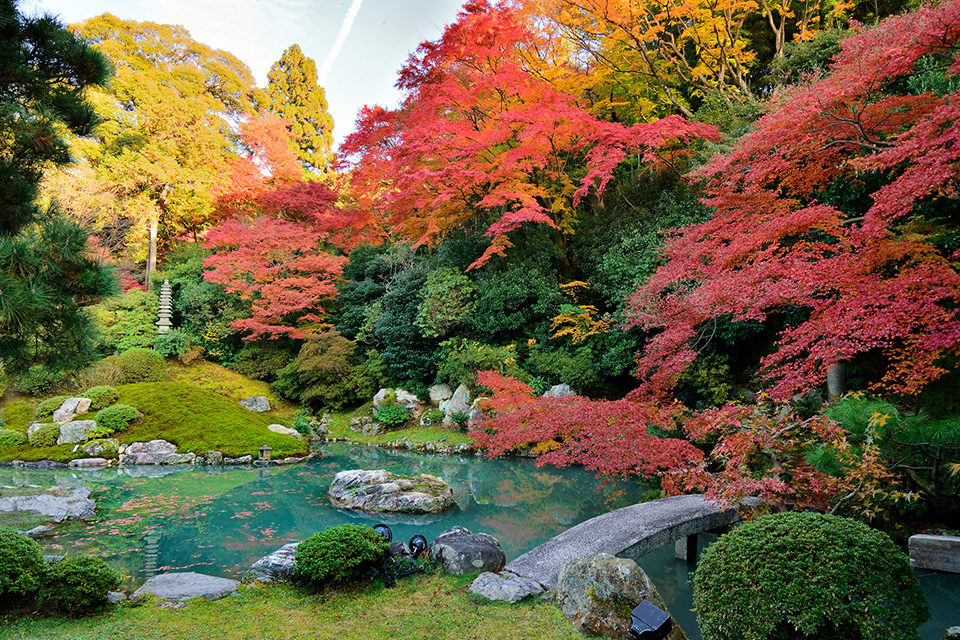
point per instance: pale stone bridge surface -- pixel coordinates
(629, 533)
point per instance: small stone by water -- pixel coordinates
(379, 490)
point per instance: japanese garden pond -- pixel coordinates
(220, 520)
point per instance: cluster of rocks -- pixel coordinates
(71, 429)
(379, 490)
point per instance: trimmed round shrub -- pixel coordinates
(80, 584)
(22, 569)
(141, 365)
(45, 436)
(11, 438)
(393, 415)
(116, 417)
(799, 576)
(38, 380)
(46, 408)
(101, 397)
(338, 555)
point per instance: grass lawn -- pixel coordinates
(229, 383)
(340, 428)
(427, 606)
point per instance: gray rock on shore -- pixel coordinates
(461, 552)
(180, 587)
(154, 452)
(75, 431)
(505, 586)
(275, 567)
(71, 408)
(257, 404)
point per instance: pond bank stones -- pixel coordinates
(505, 586)
(275, 567)
(379, 490)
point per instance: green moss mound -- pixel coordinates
(200, 420)
(806, 576)
(116, 417)
(17, 415)
(338, 555)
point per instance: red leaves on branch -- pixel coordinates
(481, 136)
(281, 267)
(871, 285)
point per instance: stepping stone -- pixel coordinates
(180, 587)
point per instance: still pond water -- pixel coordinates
(221, 520)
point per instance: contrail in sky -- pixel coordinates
(338, 42)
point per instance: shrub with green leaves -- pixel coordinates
(101, 373)
(46, 408)
(432, 417)
(173, 344)
(11, 438)
(461, 359)
(101, 396)
(392, 415)
(127, 321)
(445, 302)
(45, 435)
(22, 569)
(39, 380)
(806, 576)
(338, 555)
(80, 585)
(116, 417)
(141, 365)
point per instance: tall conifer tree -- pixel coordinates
(294, 95)
(46, 270)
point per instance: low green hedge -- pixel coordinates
(80, 585)
(12, 438)
(806, 576)
(116, 417)
(45, 436)
(22, 569)
(101, 396)
(338, 555)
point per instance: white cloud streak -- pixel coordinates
(339, 41)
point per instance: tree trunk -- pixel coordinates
(152, 246)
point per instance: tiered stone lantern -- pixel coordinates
(165, 311)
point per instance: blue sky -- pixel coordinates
(379, 40)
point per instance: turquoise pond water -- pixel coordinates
(221, 520)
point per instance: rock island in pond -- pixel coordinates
(379, 490)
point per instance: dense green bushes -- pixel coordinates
(127, 321)
(38, 380)
(175, 343)
(80, 585)
(338, 555)
(806, 576)
(22, 569)
(11, 438)
(115, 418)
(101, 396)
(141, 365)
(45, 436)
(46, 407)
(392, 415)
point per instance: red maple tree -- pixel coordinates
(482, 139)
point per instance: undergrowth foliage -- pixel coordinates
(338, 555)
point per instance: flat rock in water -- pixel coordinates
(287, 431)
(505, 586)
(180, 587)
(71, 408)
(379, 490)
(55, 503)
(276, 567)
(257, 404)
(461, 552)
(75, 431)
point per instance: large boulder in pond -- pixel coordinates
(257, 404)
(460, 552)
(180, 587)
(154, 452)
(75, 431)
(276, 567)
(597, 595)
(379, 490)
(71, 408)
